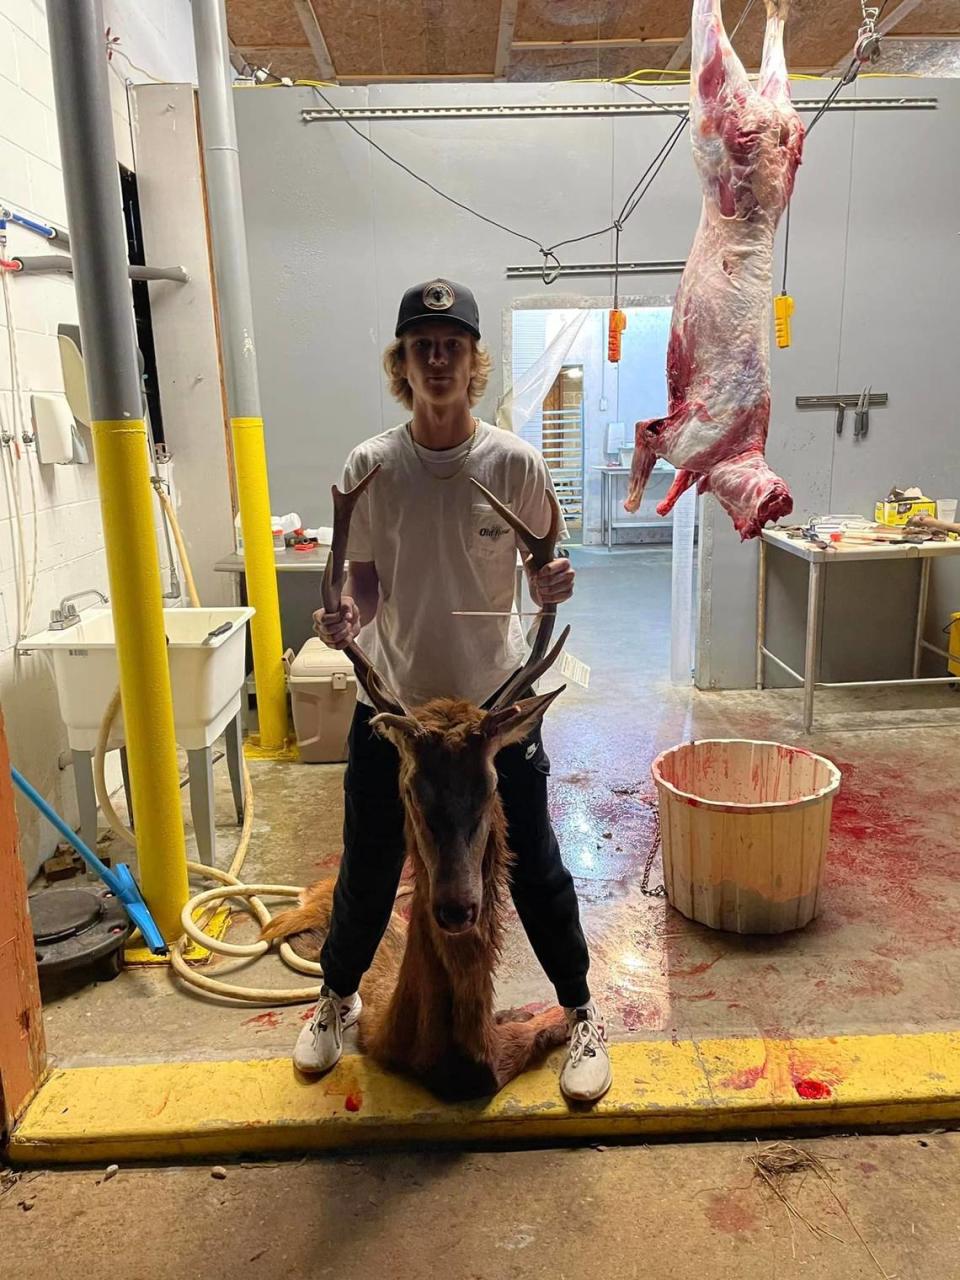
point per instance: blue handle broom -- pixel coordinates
(120, 882)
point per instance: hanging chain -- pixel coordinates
(660, 891)
(465, 460)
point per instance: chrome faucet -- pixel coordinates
(68, 614)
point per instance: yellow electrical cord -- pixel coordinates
(230, 887)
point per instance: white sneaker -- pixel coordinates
(320, 1044)
(586, 1074)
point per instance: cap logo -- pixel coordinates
(438, 296)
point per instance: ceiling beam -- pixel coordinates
(895, 16)
(505, 30)
(315, 38)
(629, 43)
(472, 77)
(681, 53)
(239, 63)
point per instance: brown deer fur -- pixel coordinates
(428, 996)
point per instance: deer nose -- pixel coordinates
(456, 917)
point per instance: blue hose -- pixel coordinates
(120, 882)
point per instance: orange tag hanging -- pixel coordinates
(618, 322)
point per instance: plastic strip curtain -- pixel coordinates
(521, 404)
(519, 410)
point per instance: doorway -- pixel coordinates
(562, 444)
(579, 410)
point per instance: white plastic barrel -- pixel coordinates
(745, 830)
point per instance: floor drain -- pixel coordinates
(78, 929)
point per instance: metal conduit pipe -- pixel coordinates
(228, 235)
(105, 306)
(62, 265)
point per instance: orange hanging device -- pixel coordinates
(618, 322)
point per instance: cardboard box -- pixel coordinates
(888, 512)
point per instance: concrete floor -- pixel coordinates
(683, 1212)
(881, 956)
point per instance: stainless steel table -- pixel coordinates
(287, 561)
(298, 581)
(817, 559)
(608, 497)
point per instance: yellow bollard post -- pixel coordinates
(120, 449)
(235, 303)
(250, 462)
(99, 252)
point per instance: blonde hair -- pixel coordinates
(395, 365)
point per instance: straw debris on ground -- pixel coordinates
(778, 1164)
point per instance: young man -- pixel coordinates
(422, 545)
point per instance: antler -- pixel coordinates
(542, 551)
(377, 690)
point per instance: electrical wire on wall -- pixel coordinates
(551, 263)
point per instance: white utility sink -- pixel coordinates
(206, 675)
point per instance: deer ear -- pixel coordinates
(514, 724)
(394, 727)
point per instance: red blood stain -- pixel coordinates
(264, 1021)
(744, 1079)
(875, 978)
(879, 868)
(308, 1013)
(695, 970)
(639, 1015)
(867, 1167)
(726, 1213)
(814, 1090)
(354, 1100)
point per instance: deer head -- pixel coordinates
(447, 748)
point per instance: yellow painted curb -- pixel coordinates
(709, 1086)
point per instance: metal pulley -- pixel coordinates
(868, 44)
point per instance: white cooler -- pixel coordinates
(323, 694)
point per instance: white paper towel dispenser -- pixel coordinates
(55, 432)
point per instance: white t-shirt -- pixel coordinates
(438, 547)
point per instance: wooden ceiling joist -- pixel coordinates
(637, 42)
(315, 38)
(681, 55)
(505, 30)
(359, 41)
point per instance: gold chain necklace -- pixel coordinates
(466, 456)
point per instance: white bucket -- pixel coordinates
(745, 830)
(947, 509)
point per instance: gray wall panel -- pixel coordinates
(336, 233)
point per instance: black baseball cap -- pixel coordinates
(439, 300)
